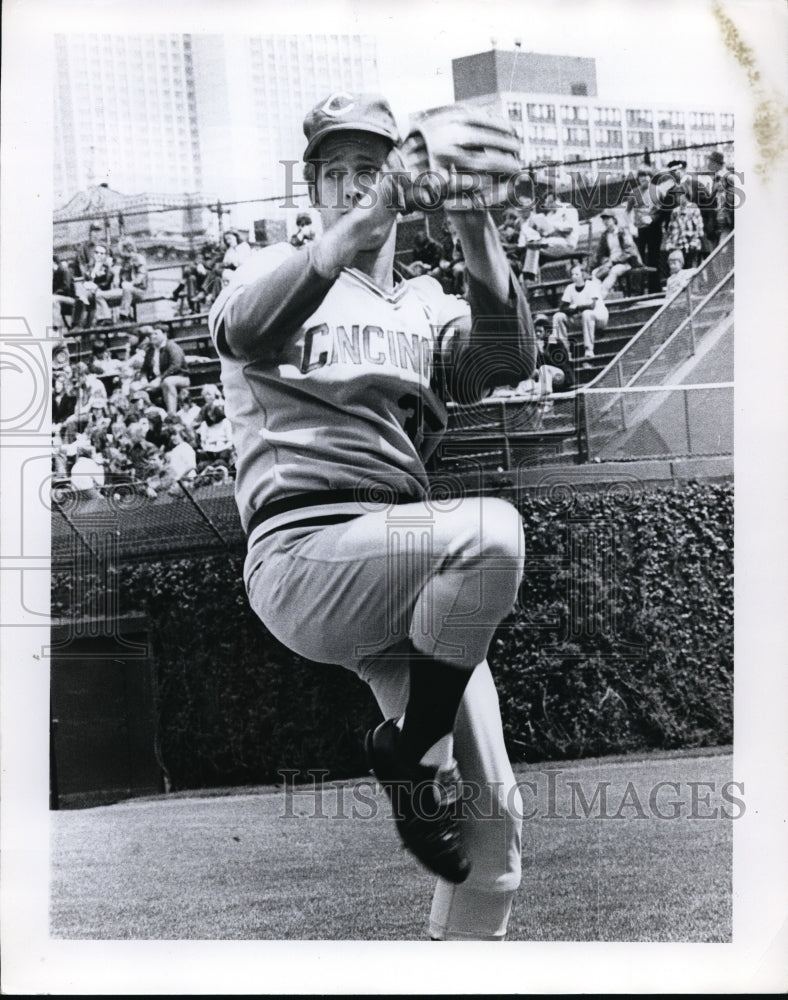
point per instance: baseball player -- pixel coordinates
(331, 367)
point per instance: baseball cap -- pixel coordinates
(607, 215)
(346, 112)
(540, 318)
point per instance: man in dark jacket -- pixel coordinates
(164, 365)
(616, 254)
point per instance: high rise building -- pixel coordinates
(125, 114)
(188, 113)
(252, 94)
(553, 105)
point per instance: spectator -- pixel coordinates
(615, 254)
(724, 201)
(130, 279)
(236, 252)
(552, 359)
(181, 459)
(165, 368)
(685, 230)
(678, 277)
(191, 292)
(87, 473)
(91, 401)
(95, 290)
(558, 224)
(646, 226)
(305, 231)
(64, 295)
(102, 363)
(63, 402)
(61, 362)
(529, 239)
(83, 261)
(509, 229)
(139, 452)
(188, 410)
(582, 305)
(215, 435)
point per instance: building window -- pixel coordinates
(579, 90)
(515, 111)
(671, 119)
(607, 116)
(541, 112)
(636, 116)
(577, 136)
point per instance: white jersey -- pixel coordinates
(346, 402)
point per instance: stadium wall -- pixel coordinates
(622, 641)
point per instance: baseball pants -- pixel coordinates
(442, 574)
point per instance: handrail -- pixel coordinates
(656, 318)
(688, 319)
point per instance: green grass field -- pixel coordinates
(253, 864)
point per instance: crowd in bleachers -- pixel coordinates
(135, 418)
(132, 415)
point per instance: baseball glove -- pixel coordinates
(460, 139)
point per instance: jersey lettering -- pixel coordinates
(371, 345)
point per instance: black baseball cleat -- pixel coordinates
(423, 803)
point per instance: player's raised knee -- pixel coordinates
(501, 530)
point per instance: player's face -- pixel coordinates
(349, 164)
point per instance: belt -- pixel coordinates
(317, 498)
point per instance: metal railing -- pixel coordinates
(668, 421)
(667, 340)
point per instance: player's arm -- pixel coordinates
(496, 344)
(258, 320)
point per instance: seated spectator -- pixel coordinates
(188, 410)
(157, 431)
(209, 393)
(181, 459)
(139, 452)
(83, 260)
(645, 226)
(102, 362)
(615, 254)
(64, 295)
(582, 305)
(95, 290)
(61, 361)
(685, 230)
(529, 240)
(558, 225)
(190, 292)
(305, 231)
(130, 279)
(63, 401)
(678, 277)
(553, 363)
(91, 401)
(87, 472)
(215, 436)
(509, 231)
(236, 252)
(165, 368)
